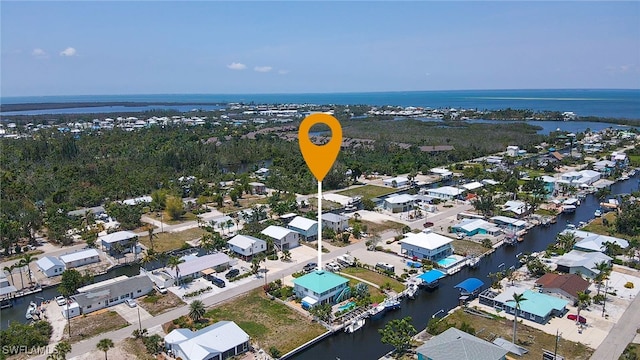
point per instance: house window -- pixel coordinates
(139, 291)
(532, 317)
(88, 306)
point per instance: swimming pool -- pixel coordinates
(347, 306)
(449, 261)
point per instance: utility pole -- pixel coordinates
(604, 302)
(139, 322)
(555, 352)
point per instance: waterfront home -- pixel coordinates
(283, 238)
(321, 287)
(218, 341)
(620, 158)
(459, 345)
(566, 286)
(470, 227)
(474, 185)
(443, 173)
(337, 223)
(396, 182)
(508, 223)
(262, 173)
(537, 307)
(258, 188)
(590, 242)
(307, 228)
(445, 192)
(580, 262)
(516, 207)
(50, 266)
(107, 293)
(80, 258)
(604, 166)
(118, 242)
(195, 267)
(6, 289)
(400, 203)
(246, 245)
(429, 246)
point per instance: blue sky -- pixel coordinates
(73, 48)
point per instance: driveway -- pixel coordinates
(131, 314)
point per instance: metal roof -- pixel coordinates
(431, 276)
(48, 262)
(276, 232)
(79, 255)
(320, 281)
(470, 285)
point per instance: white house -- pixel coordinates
(430, 246)
(138, 200)
(588, 177)
(307, 228)
(515, 206)
(336, 222)
(512, 150)
(6, 289)
(444, 173)
(398, 181)
(582, 262)
(445, 192)
(79, 258)
(124, 240)
(218, 341)
(201, 265)
(246, 245)
(400, 203)
(589, 242)
(473, 185)
(258, 188)
(283, 238)
(50, 266)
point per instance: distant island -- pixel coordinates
(69, 105)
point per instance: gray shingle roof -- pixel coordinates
(456, 344)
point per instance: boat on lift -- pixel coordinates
(354, 326)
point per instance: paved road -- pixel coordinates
(621, 334)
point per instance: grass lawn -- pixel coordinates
(532, 339)
(373, 227)
(101, 321)
(367, 191)
(156, 303)
(171, 241)
(374, 277)
(269, 323)
(136, 348)
(597, 226)
(189, 216)
(468, 247)
(377, 296)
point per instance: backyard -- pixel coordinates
(99, 322)
(367, 191)
(468, 248)
(374, 277)
(171, 241)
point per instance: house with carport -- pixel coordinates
(246, 245)
(430, 246)
(80, 258)
(283, 238)
(307, 228)
(50, 266)
(219, 341)
(321, 287)
(123, 241)
(445, 192)
(580, 262)
(336, 222)
(400, 203)
(396, 182)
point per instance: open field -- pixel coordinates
(597, 226)
(374, 277)
(367, 191)
(530, 338)
(101, 321)
(136, 348)
(269, 323)
(188, 216)
(171, 241)
(156, 303)
(467, 247)
(373, 227)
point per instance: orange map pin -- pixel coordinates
(320, 158)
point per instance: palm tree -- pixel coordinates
(356, 217)
(174, 263)
(517, 298)
(60, 352)
(149, 257)
(583, 301)
(26, 260)
(286, 255)
(151, 235)
(196, 310)
(9, 269)
(603, 272)
(566, 241)
(105, 345)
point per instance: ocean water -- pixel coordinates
(583, 102)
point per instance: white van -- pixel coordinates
(161, 289)
(385, 267)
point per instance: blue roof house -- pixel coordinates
(537, 307)
(321, 287)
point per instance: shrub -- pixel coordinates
(629, 285)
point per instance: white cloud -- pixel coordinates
(68, 52)
(39, 53)
(237, 66)
(263, 69)
(283, 72)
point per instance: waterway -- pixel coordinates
(365, 343)
(20, 305)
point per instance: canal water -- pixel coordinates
(365, 343)
(20, 305)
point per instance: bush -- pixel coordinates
(629, 285)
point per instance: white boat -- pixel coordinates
(354, 326)
(597, 213)
(377, 311)
(412, 290)
(568, 209)
(392, 304)
(473, 262)
(31, 310)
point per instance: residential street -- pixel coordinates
(621, 334)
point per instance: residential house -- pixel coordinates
(459, 345)
(307, 228)
(400, 203)
(566, 286)
(219, 341)
(516, 207)
(590, 242)
(509, 224)
(321, 287)
(429, 246)
(445, 192)
(246, 245)
(512, 150)
(198, 266)
(119, 242)
(50, 266)
(283, 238)
(537, 307)
(258, 188)
(470, 227)
(473, 185)
(396, 182)
(80, 258)
(97, 211)
(443, 173)
(604, 166)
(138, 200)
(6, 289)
(262, 173)
(620, 158)
(336, 222)
(107, 293)
(580, 262)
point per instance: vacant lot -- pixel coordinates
(171, 241)
(158, 303)
(101, 321)
(269, 323)
(373, 227)
(470, 248)
(597, 226)
(532, 339)
(374, 277)
(367, 191)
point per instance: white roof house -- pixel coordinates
(595, 242)
(515, 206)
(117, 237)
(430, 246)
(193, 267)
(50, 266)
(445, 192)
(79, 258)
(302, 223)
(582, 262)
(138, 200)
(399, 181)
(473, 185)
(276, 232)
(212, 342)
(247, 245)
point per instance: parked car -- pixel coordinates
(217, 281)
(573, 317)
(161, 289)
(310, 267)
(428, 224)
(131, 302)
(61, 300)
(333, 267)
(232, 273)
(385, 267)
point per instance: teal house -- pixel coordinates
(321, 287)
